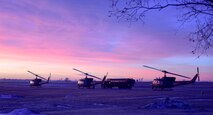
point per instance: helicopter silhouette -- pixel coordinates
(169, 82)
(89, 82)
(38, 80)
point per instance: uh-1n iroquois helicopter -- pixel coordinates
(169, 82)
(38, 81)
(89, 82)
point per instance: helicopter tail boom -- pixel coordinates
(177, 83)
(47, 81)
(194, 78)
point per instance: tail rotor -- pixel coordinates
(49, 78)
(198, 73)
(104, 78)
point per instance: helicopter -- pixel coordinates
(169, 82)
(89, 82)
(38, 80)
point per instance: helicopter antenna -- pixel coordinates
(166, 72)
(37, 75)
(86, 74)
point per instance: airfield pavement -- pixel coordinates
(64, 98)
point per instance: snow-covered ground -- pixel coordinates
(64, 98)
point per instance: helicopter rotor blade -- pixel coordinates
(94, 76)
(87, 74)
(32, 73)
(79, 71)
(37, 75)
(178, 75)
(153, 68)
(106, 74)
(166, 72)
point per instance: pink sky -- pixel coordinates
(58, 35)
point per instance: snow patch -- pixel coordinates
(167, 104)
(65, 106)
(98, 104)
(23, 111)
(8, 96)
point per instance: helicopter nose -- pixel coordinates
(31, 82)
